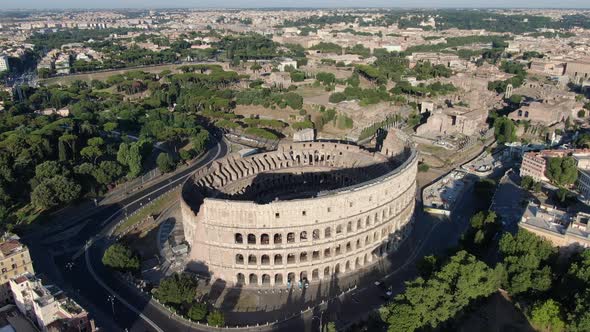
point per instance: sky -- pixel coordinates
(50, 4)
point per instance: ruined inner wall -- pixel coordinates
(311, 237)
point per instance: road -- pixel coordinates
(91, 285)
(58, 258)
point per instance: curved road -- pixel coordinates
(59, 255)
(76, 267)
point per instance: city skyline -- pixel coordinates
(208, 4)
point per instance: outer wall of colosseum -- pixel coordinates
(243, 242)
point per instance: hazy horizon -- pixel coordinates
(229, 4)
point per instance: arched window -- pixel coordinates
(337, 269)
(251, 239)
(264, 239)
(290, 259)
(278, 238)
(357, 263)
(358, 243)
(265, 260)
(278, 259)
(266, 279)
(291, 238)
(291, 277)
(303, 236)
(338, 250)
(252, 259)
(328, 232)
(327, 272)
(253, 279)
(359, 224)
(240, 279)
(239, 238)
(316, 234)
(327, 252)
(239, 259)
(278, 279)
(347, 266)
(303, 257)
(338, 229)
(315, 274)
(349, 227)
(315, 255)
(348, 247)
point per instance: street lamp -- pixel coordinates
(111, 299)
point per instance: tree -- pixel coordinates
(165, 162)
(562, 171)
(177, 289)
(216, 318)
(92, 153)
(527, 182)
(54, 191)
(427, 302)
(527, 259)
(505, 130)
(546, 316)
(422, 167)
(120, 257)
(197, 312)
(107, 172)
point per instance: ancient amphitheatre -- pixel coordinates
(306, 212)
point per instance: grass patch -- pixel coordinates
(155, 208)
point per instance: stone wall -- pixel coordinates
(311, 238)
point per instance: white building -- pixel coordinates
(4, 63)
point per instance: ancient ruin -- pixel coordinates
(302, 213)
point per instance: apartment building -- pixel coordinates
(14, 261)
(48, 306)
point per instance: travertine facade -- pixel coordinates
(305, 212)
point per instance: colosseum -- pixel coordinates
(302, 213)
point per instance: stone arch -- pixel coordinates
(291, 277)
(357, 263)
(358, 243)
(359, 224)
(303, 236)
(264, 239)
(291, 259)
(366, 260)
(326, 272)
(303, 257)
(239, 239)
(264, 260)
(315, 235)
(278, 279)
(278, 259)
(251, 239)
(253, 279)
(347, 266)
(349, 227)
(338, 229)
(337, 269)
(348, 247)
(327, 252)
(266, 280)
(278, 238)
(328, 232)
(240, 279)
(291, 237)
(315, 274)
(315, 255)
(303, 276)
(252, 260)
(239, 259)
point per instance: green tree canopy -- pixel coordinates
(120, 257)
